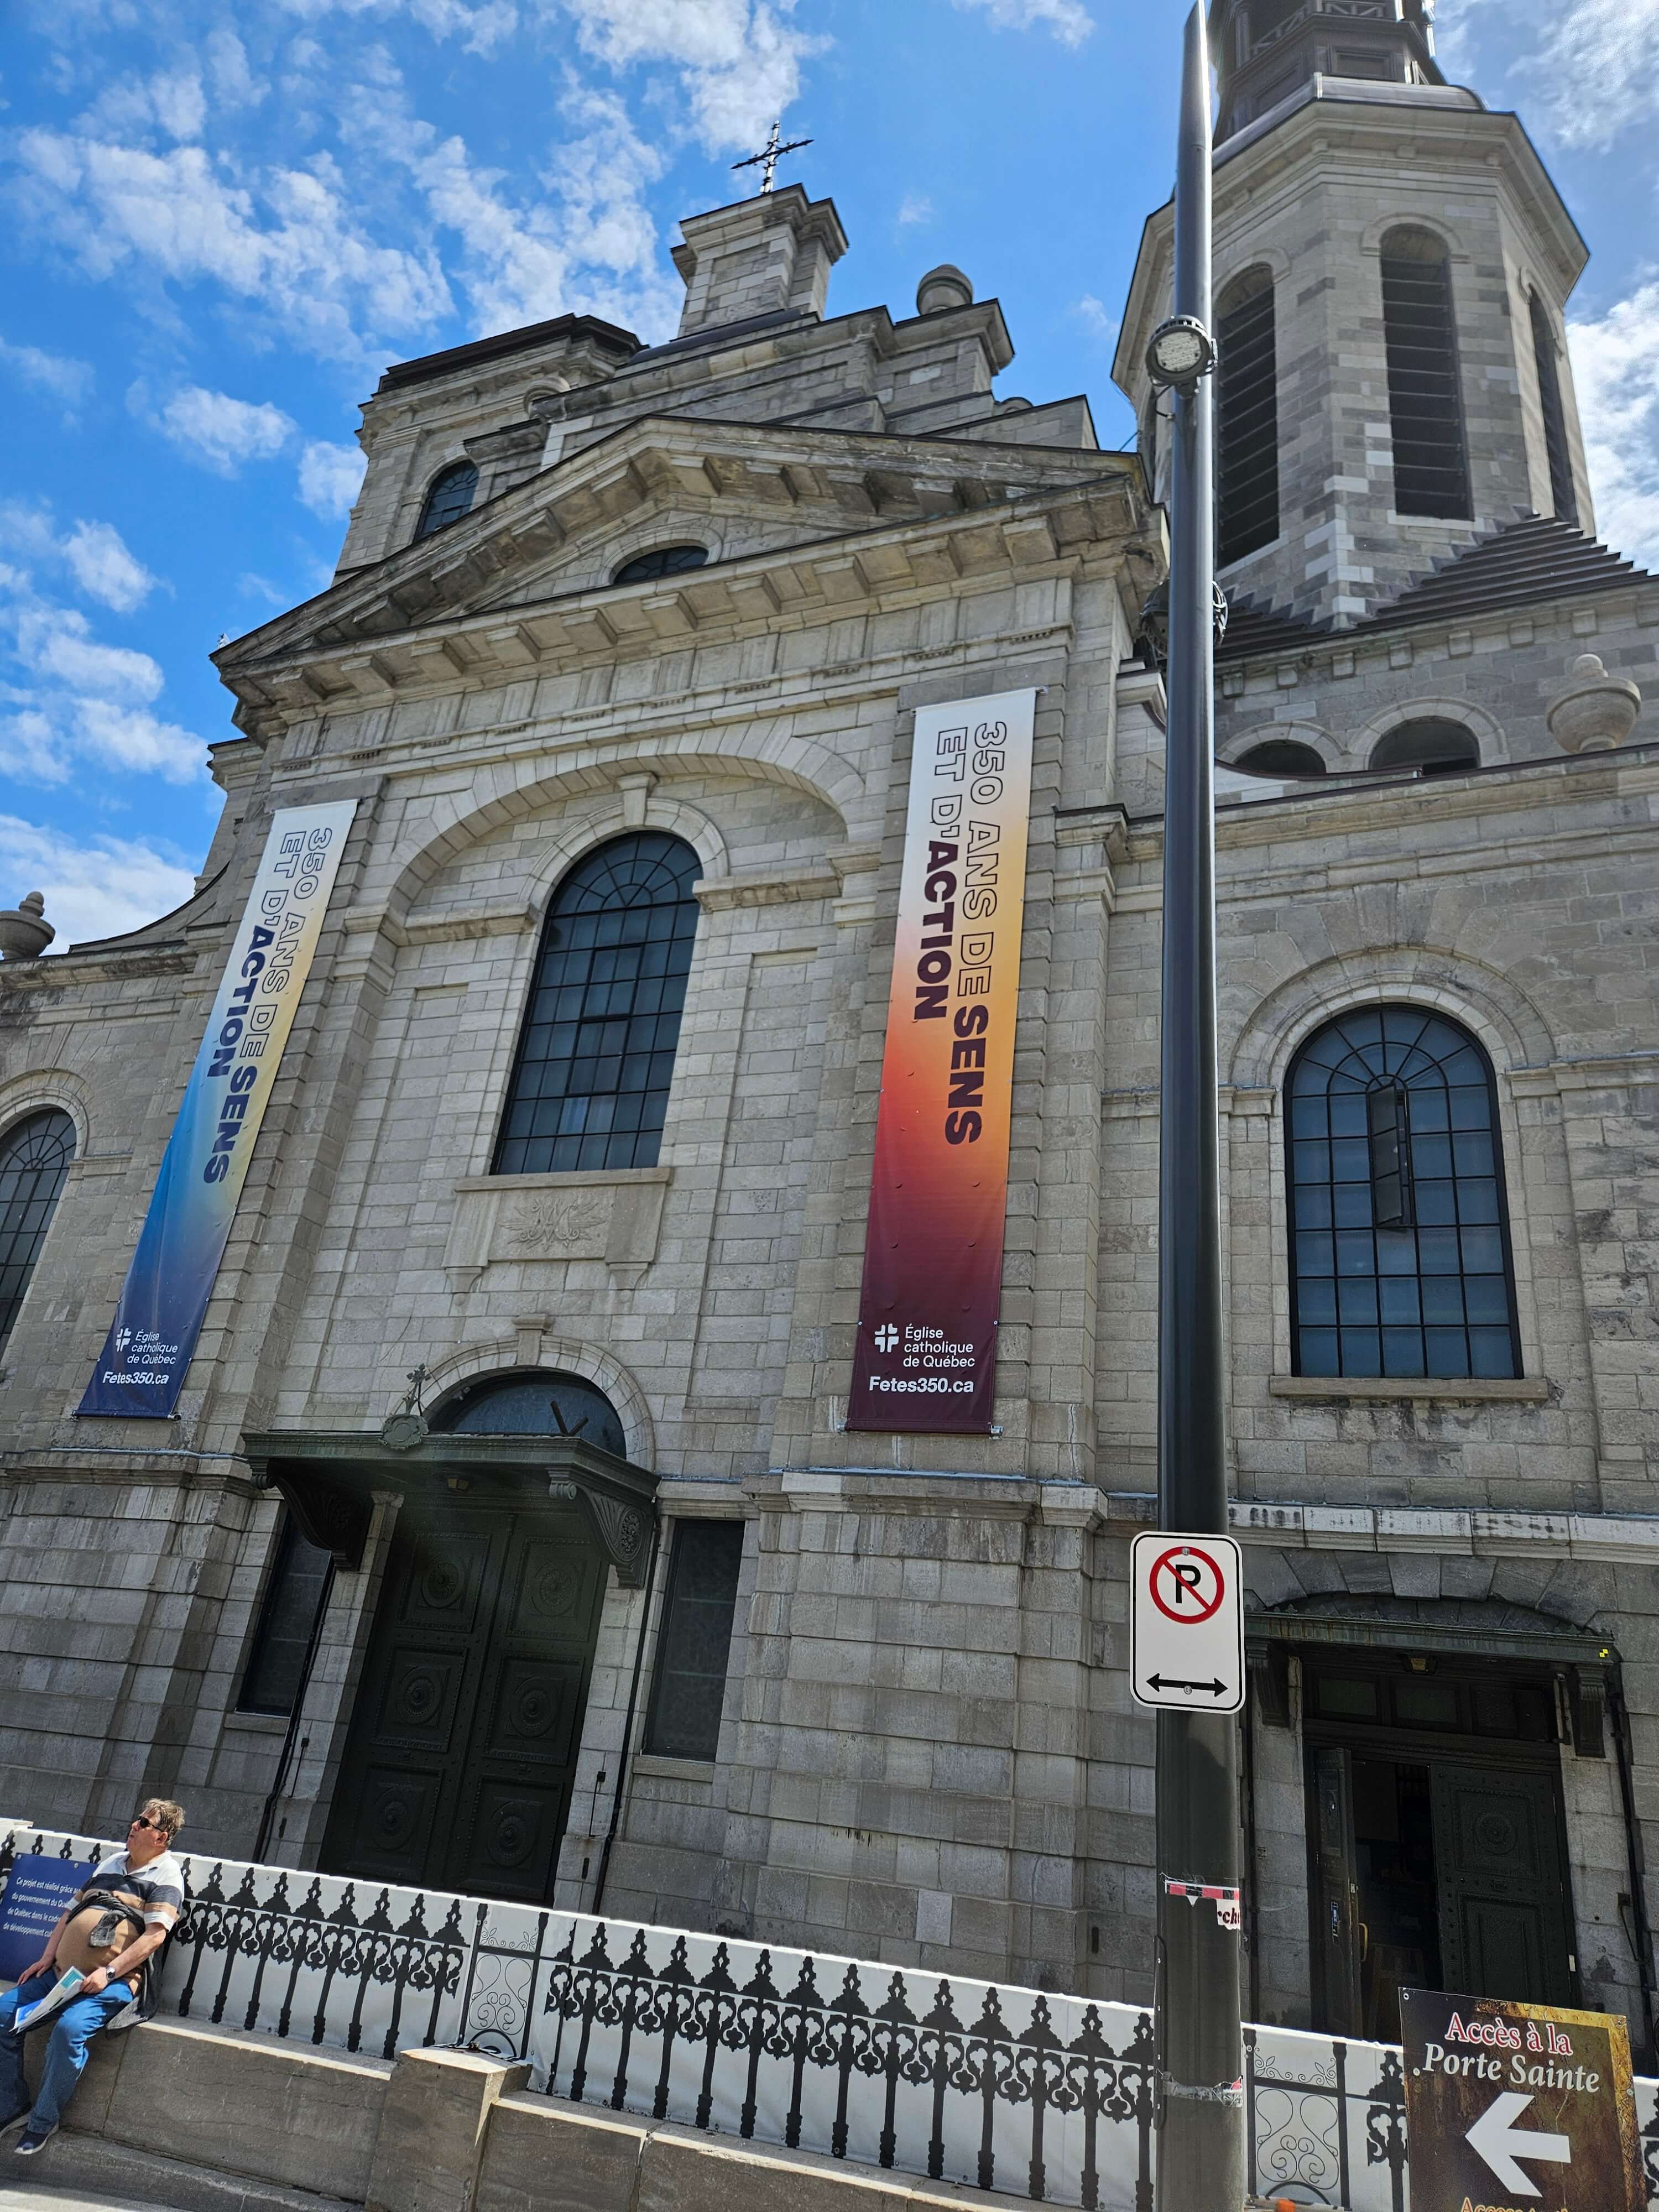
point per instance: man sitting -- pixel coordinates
(111, 1930)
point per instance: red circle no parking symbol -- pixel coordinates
(1187, 1584)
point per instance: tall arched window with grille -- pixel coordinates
(1563, 497)
(590, 1085)
(1247, 417)
(35, 1158)
(1399, 1230)
(1425, 402)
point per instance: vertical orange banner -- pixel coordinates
(926, 1352)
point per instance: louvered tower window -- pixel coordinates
(597, 1056)
(1425, 406)
(1563, 497)
(1247, 418)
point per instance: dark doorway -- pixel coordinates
(1437, 1858)
(464, 1737)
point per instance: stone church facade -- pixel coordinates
(620, 666)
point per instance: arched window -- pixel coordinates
(1431, 743)
(451, 496)
(1398, 1231)
(663, 561)
(35, 1158)
(1281, 757)
(1426, 406)
(553, 1404)
(1247, 418)
(590, 1084)
(1563, 497)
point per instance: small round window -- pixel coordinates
(661, 561)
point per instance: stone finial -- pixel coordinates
(758, 258)
(25, 933)
(941, 288)
(1596, 712)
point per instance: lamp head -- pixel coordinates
(1181, 350)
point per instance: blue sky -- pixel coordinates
(220, 222)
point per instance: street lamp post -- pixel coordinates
(1200, 2160)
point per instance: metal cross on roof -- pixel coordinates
(767, 157)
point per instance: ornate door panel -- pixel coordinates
(464, 1737)
(530, 1714)
(1503, 1917)
(1336, 1891)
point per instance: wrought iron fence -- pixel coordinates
(1046, 2096)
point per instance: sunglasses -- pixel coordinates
(157, 1827)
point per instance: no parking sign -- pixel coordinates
(1186, 1624)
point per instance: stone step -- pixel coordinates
(90, 2166)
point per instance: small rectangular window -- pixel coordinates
(1387, 1131)
(295, 1596)
(695, 1642)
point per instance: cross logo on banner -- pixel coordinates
(1187, 1623)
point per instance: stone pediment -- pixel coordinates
(819, 519)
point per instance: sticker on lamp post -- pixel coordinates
(1187, 1623)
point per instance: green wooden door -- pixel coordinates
(464, 1737)
(1503, 1914)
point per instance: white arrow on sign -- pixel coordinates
(1500, 2142)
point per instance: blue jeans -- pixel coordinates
(66, 2052)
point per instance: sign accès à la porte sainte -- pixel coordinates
(1516, 2105)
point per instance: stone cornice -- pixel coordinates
(1381, 806)
(69, 970)
(878, 516)
(1349, 130)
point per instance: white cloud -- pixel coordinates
(480, 24)
(251, 584)
(1597, 71)
(96, 554)
(99, 889)
(234, 82)
(57, 643)
(330, 477)
(1097, 319)
(219, 432)
(1070, 23)
(69, 698)
(589, 246)
(915, 207)
(284, 237)
(1615, 364)
(105, 567)
(171, 101)
(739, 60)
(69, 380)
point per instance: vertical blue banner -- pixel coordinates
(158, 1318)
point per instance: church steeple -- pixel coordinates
(1267, 50)
(1392, 270)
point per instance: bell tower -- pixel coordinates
(1267, 50)
(1392, 270)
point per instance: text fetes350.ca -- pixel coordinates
(926, 1356)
